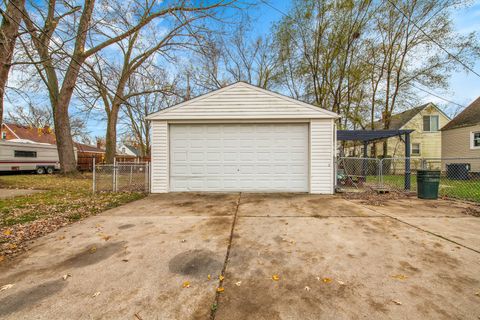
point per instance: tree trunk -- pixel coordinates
(111, 136)
(66, 152)
(8, 36)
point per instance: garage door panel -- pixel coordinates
(239, 157)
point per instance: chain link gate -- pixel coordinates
(121, 177)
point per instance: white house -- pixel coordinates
(243, 138)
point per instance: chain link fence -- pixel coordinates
(121, 177)
(459, 177)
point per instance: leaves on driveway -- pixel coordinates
(400, 277)
(6, 287)
(275, 277)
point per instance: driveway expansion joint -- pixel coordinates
(423, 230)
(214, 307)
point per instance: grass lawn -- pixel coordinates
(459, 189)
(65, 200)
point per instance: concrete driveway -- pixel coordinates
(161, 258)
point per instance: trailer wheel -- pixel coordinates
(40, 170)
(50, 170)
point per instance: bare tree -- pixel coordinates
(170, 91)
(110, 80)
(38, 116)
(61, 83)
(11, 19)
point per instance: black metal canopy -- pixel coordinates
(369, 135)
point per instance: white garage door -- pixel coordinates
(239, 157)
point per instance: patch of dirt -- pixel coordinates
(196, 263)
(472, 211)
(375, 199)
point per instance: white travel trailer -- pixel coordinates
(25, 155)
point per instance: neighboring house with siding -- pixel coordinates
(425, 141)
(461, 136)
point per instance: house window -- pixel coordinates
(430, 123)
(415, 149)
(4, 136)
(25, 154)
(475, 140)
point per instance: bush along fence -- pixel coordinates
(121, 177)
(459, 177)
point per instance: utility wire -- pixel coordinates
(433, 40)
(373, 65)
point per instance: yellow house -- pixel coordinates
(461, 137)
(426, 140)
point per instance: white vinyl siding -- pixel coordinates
(160, 153)
(298, 141)
(264, 157)
(242, 101)
(322, 156)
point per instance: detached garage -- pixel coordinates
(243, 138)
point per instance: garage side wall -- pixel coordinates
(321, 156)
(160, 153)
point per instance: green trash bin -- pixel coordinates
(427, 183)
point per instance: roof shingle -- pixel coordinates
(468, 117)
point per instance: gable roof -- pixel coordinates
(40, 135)
(468, 117)
(241, 101)
(397, 121)
(134, 150)
(81, 147)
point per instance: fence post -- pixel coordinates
(380, 173)
(147, 176)
(114, 175)
(93, 177)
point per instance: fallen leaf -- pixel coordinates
(105, 237)
(125, 260)
(183, 240)
(220, 289)
(327, 280)
(209, 277)
(476, 293)
(7, 232)
(397, 302)
(93, 249)
(275, 277)
(341, 282)
(186, 284)
(238, 283)
(307, 288)
(66, 276)
(399, 277)
(318, 278)
(220, 277)
(6, 287)
(96, 294)
(12, 246)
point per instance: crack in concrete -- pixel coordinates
(214, 307)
